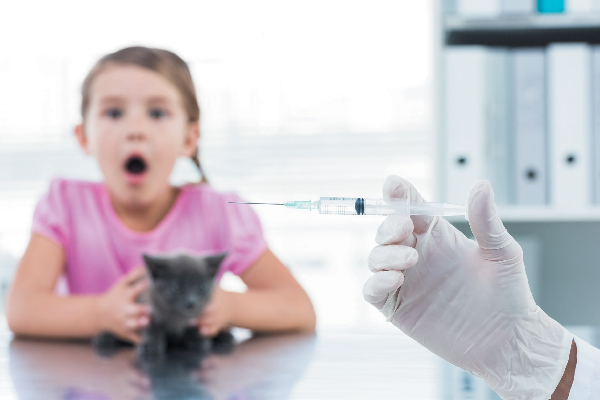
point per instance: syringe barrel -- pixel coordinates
(361, 206)
(337, 205)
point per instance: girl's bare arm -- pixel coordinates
(275, 301)
(34, 309)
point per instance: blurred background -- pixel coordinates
(298, 101)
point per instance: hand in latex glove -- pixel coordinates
(467, 301)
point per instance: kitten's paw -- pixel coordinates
(199, 345)
(191, 340)
(223, 342)
(104, 339)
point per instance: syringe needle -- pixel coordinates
(242, 202)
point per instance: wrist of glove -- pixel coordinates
(467, 301)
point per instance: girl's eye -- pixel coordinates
(157, 113)
(114, 113)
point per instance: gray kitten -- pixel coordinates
(181, 285)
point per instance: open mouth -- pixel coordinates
(136, 165)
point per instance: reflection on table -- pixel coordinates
(381, 364)
(258, 368)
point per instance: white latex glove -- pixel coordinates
(467, 301)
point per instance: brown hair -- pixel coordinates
(166, 63)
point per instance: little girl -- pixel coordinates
(139, 113)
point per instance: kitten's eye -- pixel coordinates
(157, 113)
(114, 113)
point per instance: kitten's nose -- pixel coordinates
(189, 304)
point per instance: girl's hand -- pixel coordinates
(118, 311)
(216, 314)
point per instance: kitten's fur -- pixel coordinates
(181, 285)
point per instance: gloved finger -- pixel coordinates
(392, 257)
(396, 229)
(378, 286)
(491, 235)
(398, 188)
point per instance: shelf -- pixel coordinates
(523, 31)
(544, 214)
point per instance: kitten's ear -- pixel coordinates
(214, 262)
(156, 266)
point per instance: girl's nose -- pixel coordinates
(136, 135)
(136, 126)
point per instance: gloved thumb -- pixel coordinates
(491, 235)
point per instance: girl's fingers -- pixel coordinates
(136, 317)
(137, 322)
(208, 325)
(136, 289)
(208, 330)
(392, 257)
(137, 310)
(132, 336)
(135, 274)
(135, 338)
(206, 320)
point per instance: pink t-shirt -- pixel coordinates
(99, 248)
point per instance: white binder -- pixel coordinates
(478, 8)
(498, 154)
(529, 126)
(569, 112)
(475, 121)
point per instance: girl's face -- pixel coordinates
(136, 127)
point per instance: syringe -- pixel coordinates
(361, 206)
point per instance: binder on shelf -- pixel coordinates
(478, 8)
(475, 120)
(551, 6)
(596, 123)
(529, 126)
(569, 116)
(498, 156)
(518, 6)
